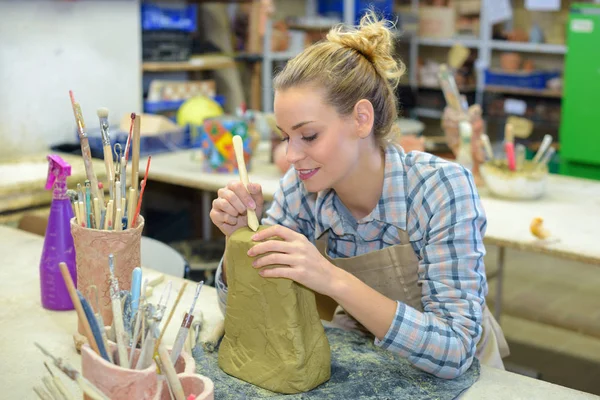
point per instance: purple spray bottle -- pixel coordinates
(58, 242)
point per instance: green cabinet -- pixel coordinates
(580, 118)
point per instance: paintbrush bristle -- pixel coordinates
(102, 112)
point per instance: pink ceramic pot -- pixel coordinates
(123, 383)
(199, 386)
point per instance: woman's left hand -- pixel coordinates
(300, 259)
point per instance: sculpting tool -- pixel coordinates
(87, 330)
(143, 187)
(85, 385)
(450, 89)
(97, 218)
(164, 329)
(93, 294)
(509, 147)
(198, 324)
(49, 383)
(106, 146)
(136, 334)
(212, 341)
(238, 147)
(485, 139)
(120, 333)
(136, 287)
(123, 178)
(85, 148)
(168, 368)
(81, 205)
(147, 347)
(185, 327)
(547, 156)
(118, 224)
(546, 142)
(135, 153)
(96, 330)
(41, 393)
(59, 384)
(520, 156)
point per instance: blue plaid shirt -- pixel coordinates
(437, 203)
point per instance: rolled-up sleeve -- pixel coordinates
(442, 339)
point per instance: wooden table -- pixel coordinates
(22, 181)
(24, 321)
(570, 208)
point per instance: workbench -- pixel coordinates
(570, 208)
(24, 321)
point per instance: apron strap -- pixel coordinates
(325, 305)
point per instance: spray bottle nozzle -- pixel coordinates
(57, 169)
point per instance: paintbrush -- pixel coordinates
(96, 330)
(106, 146)
(66, 394)
(165, 365)
(238, 146)
(98, 316)
(85, 148)
(143, 186)
(85, 385)
(54, 393)
(121, 335)
(41, 393)
(185, 327)
(78, 307)
(135, 153)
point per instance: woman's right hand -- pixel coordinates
(229, 209)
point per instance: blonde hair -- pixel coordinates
(352, 64)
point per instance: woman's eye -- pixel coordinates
(285, 139)
(309, 138)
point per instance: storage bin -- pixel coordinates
(335, 8)
(529, 80)
(158, 18)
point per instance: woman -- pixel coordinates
(395, 239)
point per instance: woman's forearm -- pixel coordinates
(369, 307)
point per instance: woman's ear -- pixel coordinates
(365, 117)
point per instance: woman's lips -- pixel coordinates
(305, 174)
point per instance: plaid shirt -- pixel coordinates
(436, 202)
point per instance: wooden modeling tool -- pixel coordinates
(109, 215)
(41, 393)
(115, 297)
(487, 146)
(238, 147)
(130, 207)
(66, 394)
(449, 88)
(86, 386)
(546, 142)
(135, 153)
(168, 368)
(85, 149)
(49, 383)
(210, 344)
(87, 330)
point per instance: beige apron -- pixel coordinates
(393, 272)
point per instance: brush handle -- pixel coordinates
(49, 383)
(146, 353)
(120, 331)
(509, 148)
(89, 168)
(80, 312)
(90, 389)
(63, 389)
(238, 147)
(130, 207)
(135, 153)
(170, 373)
(94, 326)
(41, 393)
(108, 162)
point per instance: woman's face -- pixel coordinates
(322, 146)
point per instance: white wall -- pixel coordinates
(50, 46)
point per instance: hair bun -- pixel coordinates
(374, 39)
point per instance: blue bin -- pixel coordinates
(159, 18)
(335, 8)
(528, 80)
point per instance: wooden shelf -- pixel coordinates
(197, 63)
(524, 92)
(467, 88)
(526, 47)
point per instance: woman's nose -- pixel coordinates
(295, 152)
